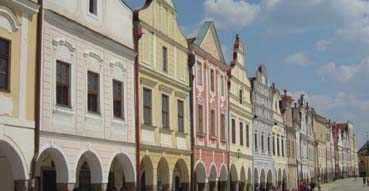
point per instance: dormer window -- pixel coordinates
(93, 7)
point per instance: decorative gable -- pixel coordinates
(210, 45)
(207, 39)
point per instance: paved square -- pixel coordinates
(346, 185)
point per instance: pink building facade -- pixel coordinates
(210, 116)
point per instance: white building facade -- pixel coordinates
(87, 138)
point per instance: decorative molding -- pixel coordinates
(165, 89)
(119, 64)
(148, 82)
(93, 54)
(63, 42)
(14, 23)
(183, 96)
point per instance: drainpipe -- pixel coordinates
(37, 97)
(191, 62)
(137, 34)
(229, 136)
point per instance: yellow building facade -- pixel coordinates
(240, 121)
(18, 37)
(163, 97)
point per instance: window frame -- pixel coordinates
(98, 108)
(8, 72)
(92, 7)
(213, 132)
(200, 123)
(122, 101)
(223, 126)
(233, 124)
(241, 133)
(69, 100)
(199, 73)
(165, 126)
(180, 117)
(247, 135)
(212, 80)
(165, 66)
(147, 106)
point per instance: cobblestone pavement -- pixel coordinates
(346, 185)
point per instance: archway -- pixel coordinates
(121, 174)
(200, 177)
(234, 178)
(249, 180)
(163, 175)
(279, 178)
(256, 179)
(88, 172)
(262, 180)
(147, 175)
(269, 180)
(13, 172)
(52, 170)
(222, 183)
(212, 178)
(242, 184)
(181, 176)
(284, 180)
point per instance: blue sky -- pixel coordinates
(316, 47)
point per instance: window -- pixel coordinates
(180, 107)
(241, 96)
(93, 7)
(241, 134)
(4, 64)
(118, 99)
(268, 144)
(262, 143)
(147, 107)
(165, 111)
(222, 121)
(212, 85)
(165, 59)
(199, 73)
(278, 153)
(93, 92)
(233, 131)
(212, 123)
(256, 141)
(62, 84)
(247, 136)
(200, 120)
(222, 85)
(282, 147)
(273, 145)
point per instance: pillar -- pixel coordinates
(234, 185)
(242, 186)
(98, 186)
(20, 185)
(65, 186)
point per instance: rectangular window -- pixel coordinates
(282, 147)
(118, 99)
(165, 59)
(212, 123)
(199, 73)
(222, 85)
(256, 141)
(93, 92)
(93, 7)
(165, 111)
(4, 64)
(200, 121)
(278, 153)
(241, 134)
(273, 145)
(222, 121)
(147, 106)
(241, 96)
(212, 85)
(268, 144)
(180, 107)
(233, 131)
(63, 84)
(262, 143)
(247, 136)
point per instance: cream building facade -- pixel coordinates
(240, 121)
(87, 138)
(18, 36)
(163, 97)
(321, 132)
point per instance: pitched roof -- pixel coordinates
(364, 147)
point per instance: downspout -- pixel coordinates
(137, 34)
(37, 97)
(191, 62)
(229, 137)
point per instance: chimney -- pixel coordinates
(273, 85)
(285, 92)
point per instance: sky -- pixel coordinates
(319, 48)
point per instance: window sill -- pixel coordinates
(166, 130)
(64, 110)
(148, 126)
(223, 140)
(118, 122)
(199, 134)
(91, 115)
(181, 134)
(213, 137)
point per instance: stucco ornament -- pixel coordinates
(8, 20)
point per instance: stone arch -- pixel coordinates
(213, 175)
(284, 179)
(181, 178)
(256, 178)
(269, 181)
(147, 173)
(279, 177)
(88, 171)
(9, 20)
(242, 184)
(234, 177)
(249, 180)
(262, 180)
(163, 178)
(200, 175)
(53, 167)
(121, 173)
(13, 166)
(223, 177)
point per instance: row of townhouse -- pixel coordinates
(95, 96)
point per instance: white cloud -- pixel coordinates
(298, 58)
(231, 13)
(323, 45)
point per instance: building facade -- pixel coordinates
(279, 140)
(163, 98)
(321, 132)
(262, 100)
(87, 138)
(210, 114)
(18, 36)
(240, 121)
